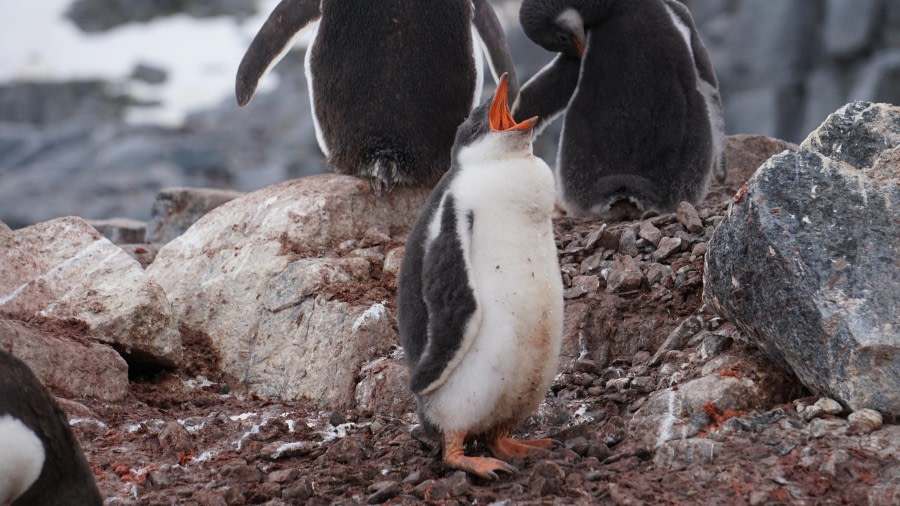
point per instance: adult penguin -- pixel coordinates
(644, 126)
(40, 459)
(389, 80)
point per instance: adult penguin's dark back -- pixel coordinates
(643, 115)
(389, 80)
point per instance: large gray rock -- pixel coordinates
(64, 271)
(65, 362)
(278, 279)
(805, 261)
(176, 209)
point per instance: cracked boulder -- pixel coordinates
(64, 274)
(289, 283)
(806, 260)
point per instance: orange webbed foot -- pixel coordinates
(485, 467)
(503, 447)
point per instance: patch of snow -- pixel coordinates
(287, 447)
(93, 421)
(203, 457)
(665, 428)
(331, 433)
(253, 430)
(241, 417)
(198, 382)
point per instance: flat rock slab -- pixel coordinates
(65, 271)
(292, 302)
(806, 260)
(72, 367)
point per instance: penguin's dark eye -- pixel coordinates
(476, 127)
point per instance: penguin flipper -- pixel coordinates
(453, 310)
(709, 87)
(547, 94)
(494, 42)
(271, 43)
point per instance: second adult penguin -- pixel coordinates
(644, 122)
(389, 80)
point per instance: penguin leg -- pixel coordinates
(383, 180)
(485, 467)
(506, 448)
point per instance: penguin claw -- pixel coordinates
(382, 181)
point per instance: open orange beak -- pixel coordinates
(500, 118)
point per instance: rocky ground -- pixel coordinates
(639, 411)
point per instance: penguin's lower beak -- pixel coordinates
(500, 118)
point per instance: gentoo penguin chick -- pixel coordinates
(643, 118)
(40, 459)
(480, 294)
(388, 81)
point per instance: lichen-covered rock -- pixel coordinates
(277, 280)
(64, 271)
(805, 261)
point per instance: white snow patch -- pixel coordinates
(332, 432)
(203, 457)
(242, 416)
(253, 430)
(665, 429)
(582, 346)
(45, 46)
(198, 382)
(288, 447)
(192, 429)
(806, 220)
(580, 415)
(93, 421)
(134, 427)
(376, 311)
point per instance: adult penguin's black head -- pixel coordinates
(559, 25)
(491, 128)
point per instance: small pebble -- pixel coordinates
(829, 406)
(866, 420)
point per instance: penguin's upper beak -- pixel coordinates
(500, 118)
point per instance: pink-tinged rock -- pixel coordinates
(69, 365)
(384, 388)
(745, 153)
(65, 271)
(292, 313)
